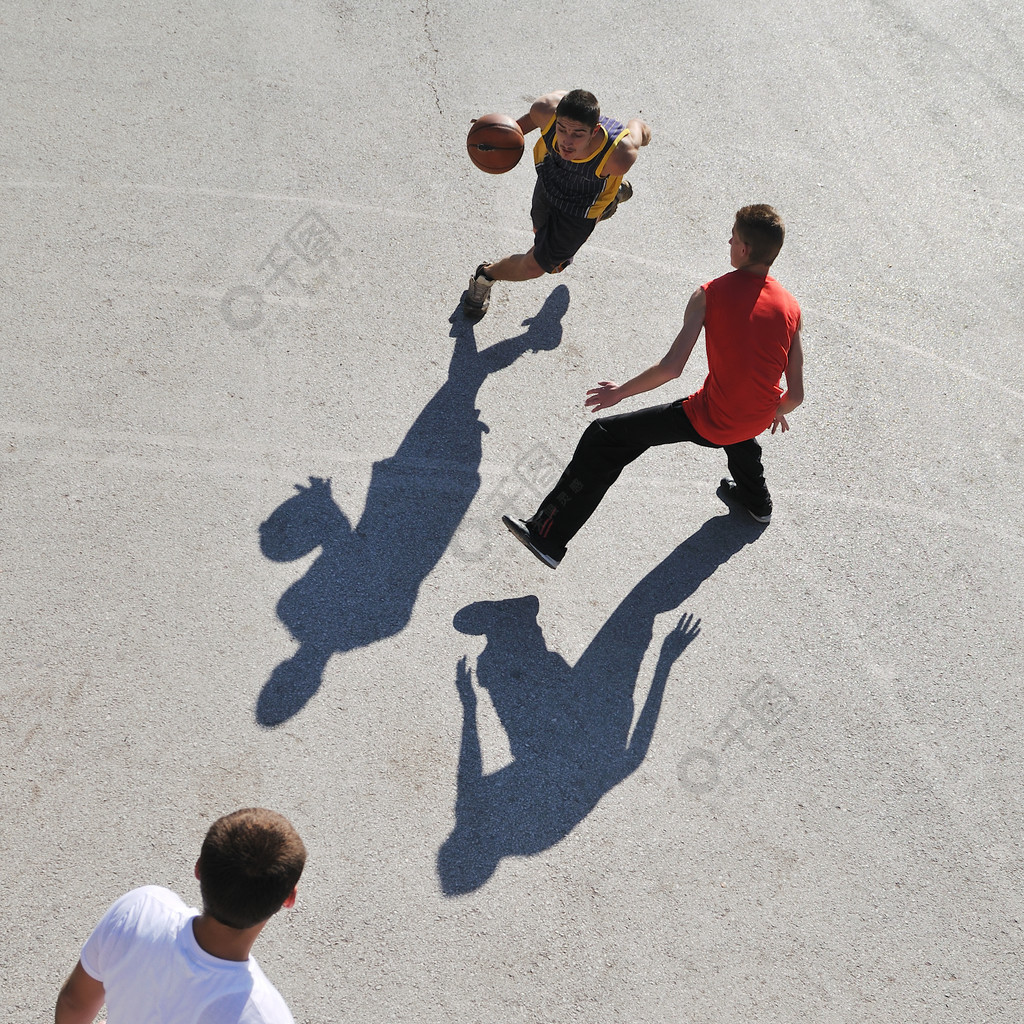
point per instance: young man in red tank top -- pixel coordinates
(751, 327)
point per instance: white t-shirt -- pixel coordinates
(154, 972)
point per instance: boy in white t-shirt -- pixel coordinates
(152, 958)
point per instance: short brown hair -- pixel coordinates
(761, 228)
(579, 105)
(248, 866)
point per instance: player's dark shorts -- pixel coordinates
(559, 236)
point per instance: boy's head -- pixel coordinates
(576, 118)
(248, 867)
(761, 229)
(579, 105)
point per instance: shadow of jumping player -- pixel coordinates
(568, 727)
(364, 584)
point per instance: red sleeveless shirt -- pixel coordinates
(749, 325)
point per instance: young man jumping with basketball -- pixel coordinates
(580, 159)
(751, 328)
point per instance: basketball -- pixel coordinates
(495, 143)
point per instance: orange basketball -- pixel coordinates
(495, 143)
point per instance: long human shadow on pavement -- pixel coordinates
(568, 727)
(363, 585)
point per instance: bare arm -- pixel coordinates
(640, 132)
(625, 153)
(608, 393)
(794, 384)
(541, 112)
(80, 998)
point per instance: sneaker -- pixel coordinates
(478, 294)
(522, 533)
(762, 513)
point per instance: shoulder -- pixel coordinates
(782, 289)
(543, 122)
(157, 896)
(267, 1003)
(146, 916)
(552, 98)
(623, 154)
(149, 894)
(718, 284)
(542, 110)
(143, 906)
(782, 295)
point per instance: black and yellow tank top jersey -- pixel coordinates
(575, 186)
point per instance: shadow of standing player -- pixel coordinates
(568, 727)
(364, 584)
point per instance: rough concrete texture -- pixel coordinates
(729, 774)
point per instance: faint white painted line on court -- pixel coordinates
(326, 202)
(898, 513)
(138, 448)
(668, 268)
(183, 448)
(225, 193)
(877, 338)
(941, 779)
(874, 511)
(186, 445)
(882, 340)
(133, 287)
(917, 512)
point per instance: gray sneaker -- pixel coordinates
(478, 294)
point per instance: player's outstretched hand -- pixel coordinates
(604, 396)
(645, 134)
(779, 423)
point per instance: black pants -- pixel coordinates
(608, 445)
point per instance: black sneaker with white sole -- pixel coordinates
(522, 533)
(761, 512)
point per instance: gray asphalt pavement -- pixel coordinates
(254, 464)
